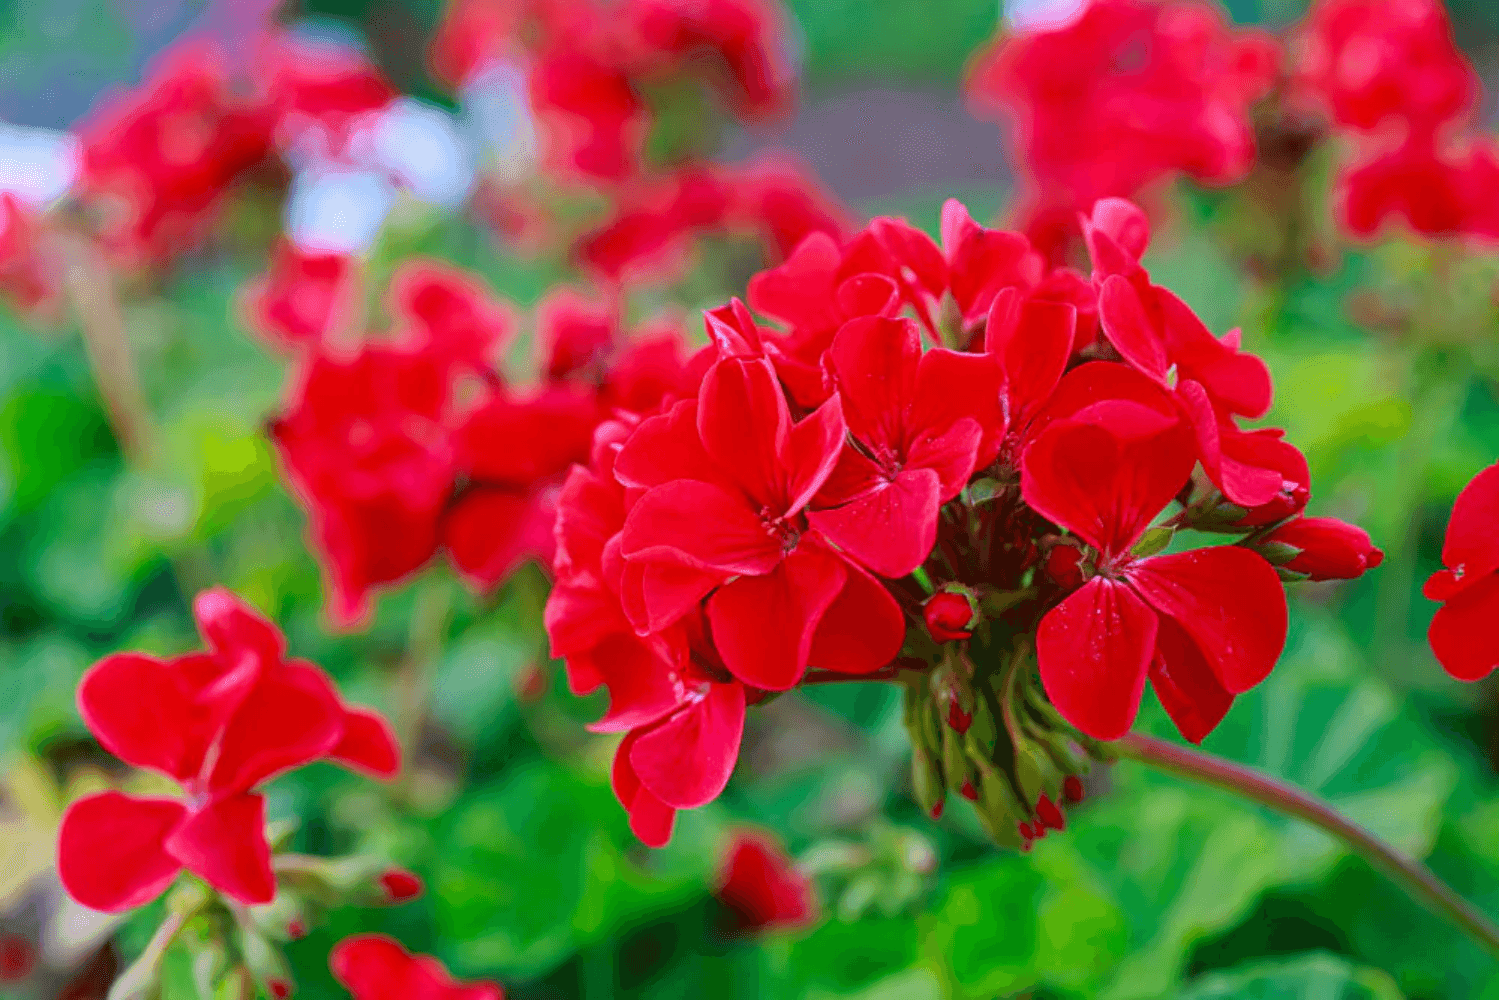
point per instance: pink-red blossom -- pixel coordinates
(220, 723)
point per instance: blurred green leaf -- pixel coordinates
(1305, 977)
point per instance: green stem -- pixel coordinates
(430, 616)
(1411, 875)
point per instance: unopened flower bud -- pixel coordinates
(400, 885)
(1048, 815)
(959, 720)
(1324, 548)
(1073, 788)
(969, 792)
(951, 615)
(1063, 566)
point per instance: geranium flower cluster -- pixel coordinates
(845, 498)
(219, 723)
(590, 66)
(1119, 96)
(412, 443)
(603, 82)
(1392, 79)
(157, 161)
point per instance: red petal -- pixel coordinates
(642, 680)
(890, 529)
(743, 421)
(1092, 652)
(109, 850)
(666, 447)
(862, 630)
(1245, 484)
(368, 744)
(232, 628)
(868, 295)
(590, 511)
(1129, 329)
(953, 386)
(951, 455)
(700, 525)
(580, 616)
(292, 717)
(374, 967)
(1241, 383)
(812, 449)
(142, 710)
(686, 760)
(1084, 386)
(1229, 601)
(1464, 630)
(799, 291)
(762, 886)
(370, 966)
(763, 625)
(656, 593)
(874, 361)
(1086, 479)
(1471, 541)
(1032, 340)
(224, 843)
(489, 532)
(651, 819)
(1185, 683)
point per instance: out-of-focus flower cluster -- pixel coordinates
(1125, 93)
(1392, 79)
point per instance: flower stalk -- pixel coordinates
(1412, 876)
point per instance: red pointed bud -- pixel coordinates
(400, 885)
(969, 792)
(1063, 566)
(296, 930)
(1324, 548)
(1048, 815)
(937, 809)
(1072, 788)
(958, 719)
(280, 988)
(951, 615)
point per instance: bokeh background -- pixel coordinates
(1158, 889)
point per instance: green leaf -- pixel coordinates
(1322, 724)
(1315, 976)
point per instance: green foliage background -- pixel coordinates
(1158, 889)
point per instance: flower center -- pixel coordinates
(780, 528)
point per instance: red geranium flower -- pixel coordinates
(219, 722)
(731, 527)
(762, 887)
(1203, 625)
(919, 423)
(1464, 631)
(375, 967)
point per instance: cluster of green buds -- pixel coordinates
(887, 871)
(236, 950)
(981, 727)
